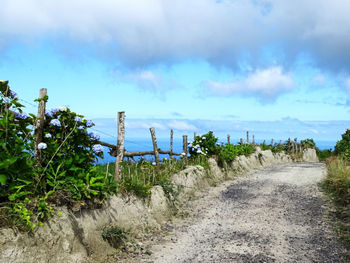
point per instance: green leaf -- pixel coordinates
(3, 179)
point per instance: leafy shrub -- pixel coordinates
(323, 155)
(308, 143)
(343, 146)
(229, 152)
(277, 148)
(205, 144)
(66, 153)
(265, 147)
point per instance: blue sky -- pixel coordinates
(278, 68)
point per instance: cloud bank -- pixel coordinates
(146, 32)
(266, 83)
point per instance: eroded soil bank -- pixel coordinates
(276, 214)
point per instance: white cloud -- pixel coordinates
(181, 126)
(267, 83)
(144, 32)
(145, 79)
(144, 125)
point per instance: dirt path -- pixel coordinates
(272, 215)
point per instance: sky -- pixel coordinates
(277, 68)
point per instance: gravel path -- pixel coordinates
(272, 215)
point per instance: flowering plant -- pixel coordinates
(203, 145)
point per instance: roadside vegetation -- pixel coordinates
(337, 184)
(63, 172)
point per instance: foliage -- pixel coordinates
(308, 143)
(205, 144)
(338, 180)
(277, 148)
(229, 152)
(115, 236)
(265, 147)
(323, 155)
(337, 186)
(65, 163)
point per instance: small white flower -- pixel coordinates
(165, 159)
(183, 154)
(63, 108)
(48, 135)
(154, 163)
(42, 146)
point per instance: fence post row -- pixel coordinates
(39, 125)
(171, 144)
(155, 147)
(184, 147)
(120, 143)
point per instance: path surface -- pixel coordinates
(272, 215)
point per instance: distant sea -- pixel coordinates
(145, 144)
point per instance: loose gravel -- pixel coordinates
(276, 214)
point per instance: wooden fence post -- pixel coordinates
(280, 142)
(194, 135)
(241, 141)
(171, 144)
(155, 147)
(271, 141)
(296, 145)
(253, 139)
(247, 137)
(120, 144)
(39, 125)
(184, 147)
(228, 139)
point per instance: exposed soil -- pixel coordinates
(276, 214)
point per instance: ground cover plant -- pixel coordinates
(337, 185)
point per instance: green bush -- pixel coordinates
(229, 152)
(323, 155)
(308, 143)
(344, 144)
(277, 148)
(205, 144)
(67, 154)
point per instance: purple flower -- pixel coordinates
(97, 148)
(77, 119)
(94, 136)
(51, 112)
(21, 116)
(13, 94)
(89, 123)
(55, 122)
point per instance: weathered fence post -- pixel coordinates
(171, 144)
(253, 142)
(155, 147)
(247, 137)
(296, 145)
(271, 142)
(228, 139)
(280, 142)
(194, 135)
(184, 147)
(241, 141)
(120, 144)
(39, 125)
